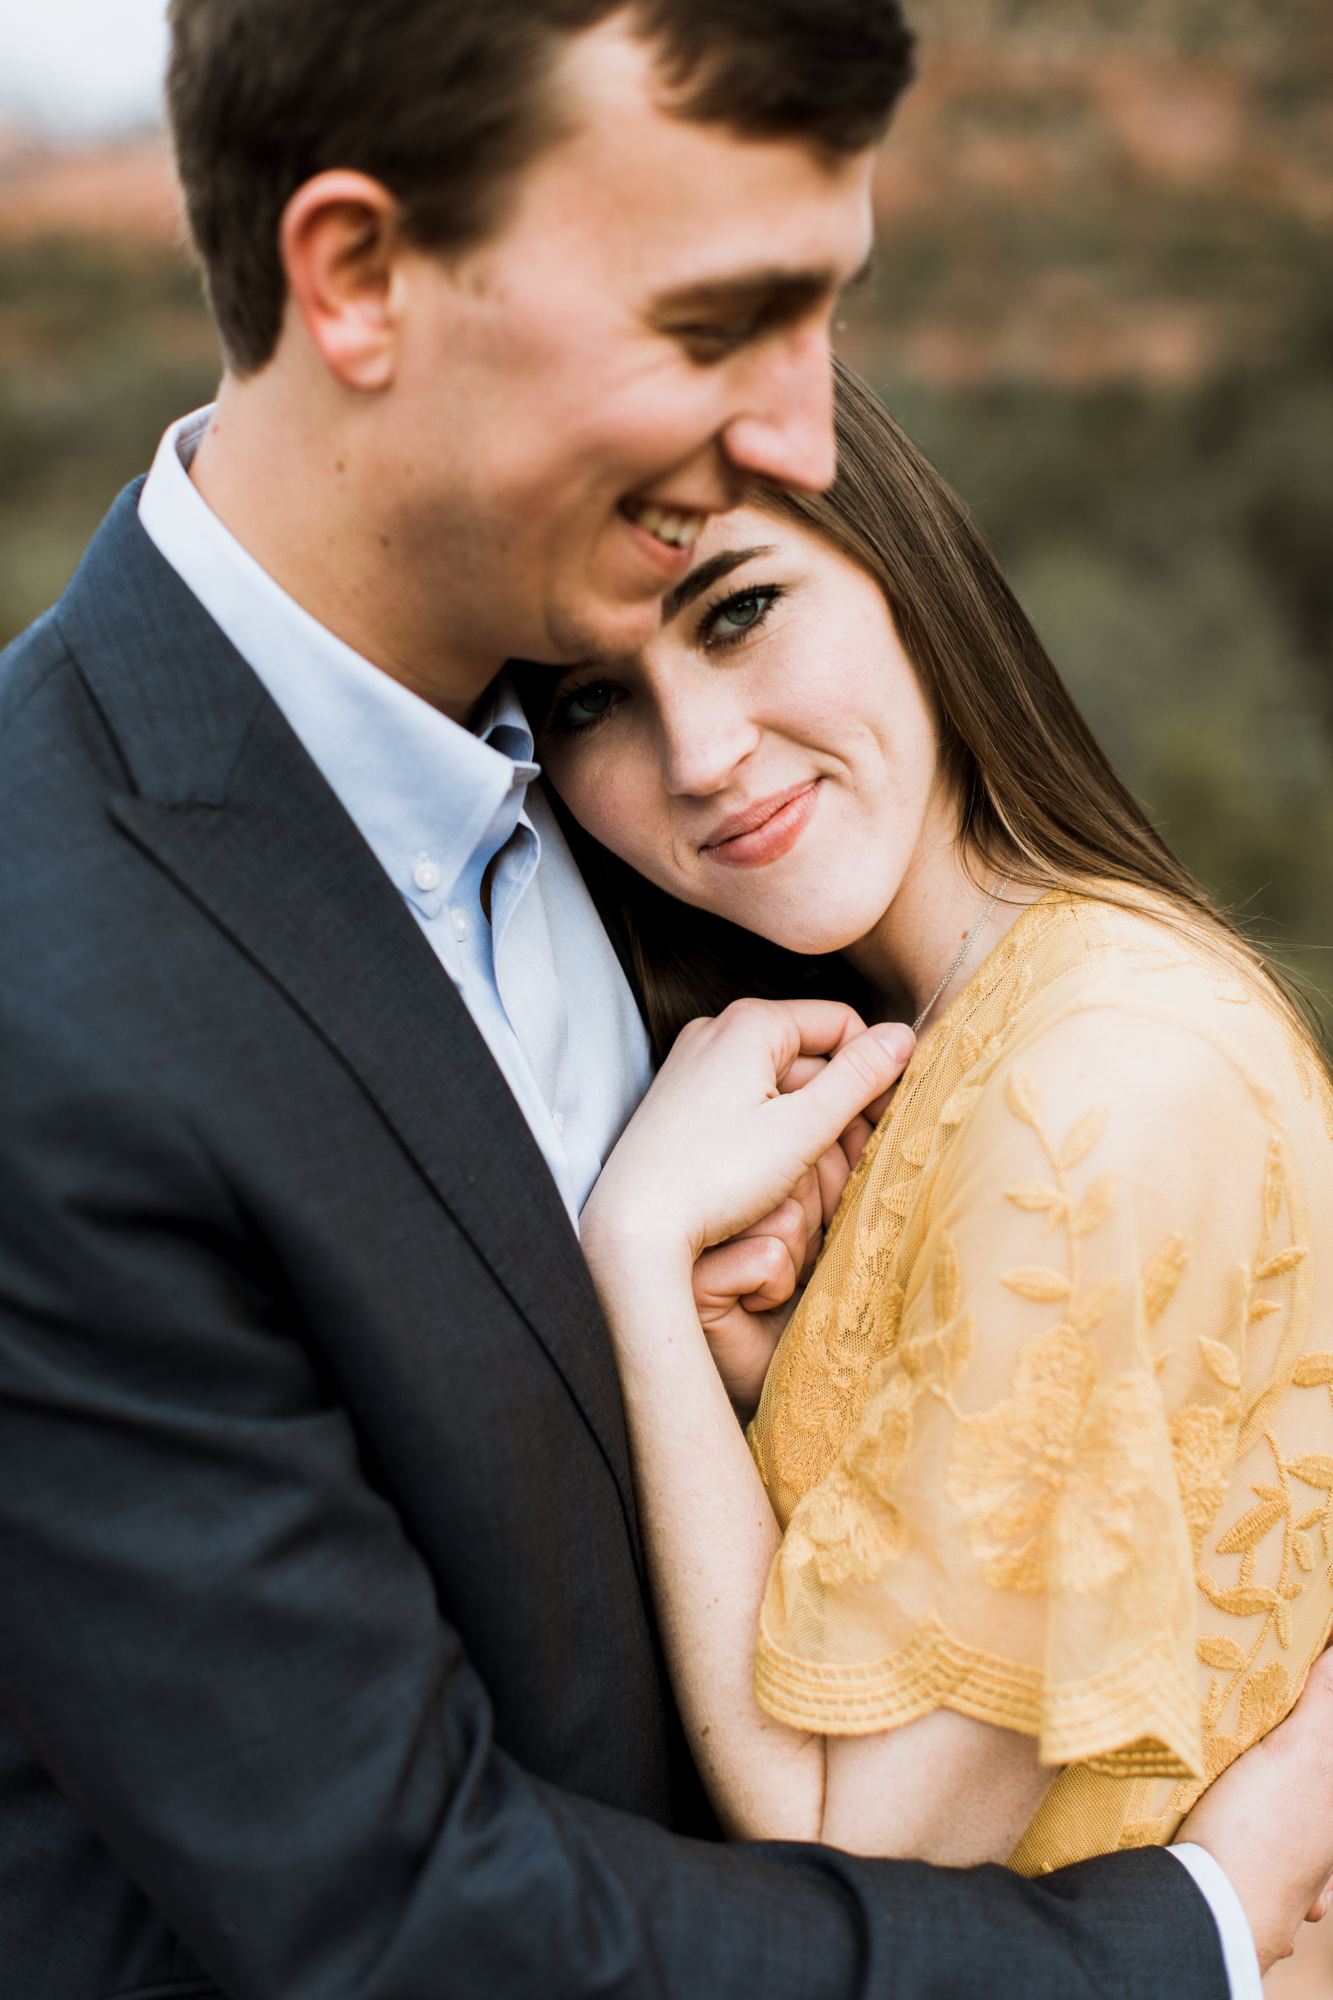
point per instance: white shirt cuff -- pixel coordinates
(1233, 1929)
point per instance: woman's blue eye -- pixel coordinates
(741, 613)
(584, 706)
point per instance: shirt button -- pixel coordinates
(558, 1120)
(462, 928)
(426, 876)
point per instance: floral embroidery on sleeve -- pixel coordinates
(1045, 1448)
(1054, 1482)
(1204, 1437)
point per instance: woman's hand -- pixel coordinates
(736, 1119)
(744, 1111)
(746, 1290)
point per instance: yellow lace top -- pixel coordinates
(1051, 1433)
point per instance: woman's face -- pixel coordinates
(768, 755)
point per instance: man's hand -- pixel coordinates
(1268, 1820)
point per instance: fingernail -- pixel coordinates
(897, 1038)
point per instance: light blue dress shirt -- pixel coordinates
(438, 804)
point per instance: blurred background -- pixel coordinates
(1104, 306)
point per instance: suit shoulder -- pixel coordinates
(55, 742)
(27, 663)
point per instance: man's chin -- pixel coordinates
(603, 630)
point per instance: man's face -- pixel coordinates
(645, 338)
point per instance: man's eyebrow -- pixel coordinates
(783, 291)
(698, 581)
(746, 288)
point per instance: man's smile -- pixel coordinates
(676, 527)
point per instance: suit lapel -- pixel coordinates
(226, 800)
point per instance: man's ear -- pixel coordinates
(339, 238)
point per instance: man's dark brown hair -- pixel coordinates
(444, 102)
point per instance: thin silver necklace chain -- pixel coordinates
(963, 949)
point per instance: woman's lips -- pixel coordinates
(764, 831)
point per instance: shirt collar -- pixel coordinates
(421, 789)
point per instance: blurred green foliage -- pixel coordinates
(99, 350)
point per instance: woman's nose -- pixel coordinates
(703, 741)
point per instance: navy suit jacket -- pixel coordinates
(327, 1664)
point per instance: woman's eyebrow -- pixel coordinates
(698, 580)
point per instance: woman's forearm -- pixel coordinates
(944, 1788)
(711, 1537)
(731, 1124)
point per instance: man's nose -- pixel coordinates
(785, 435)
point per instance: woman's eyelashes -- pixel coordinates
(738, 615)
(581, 708)
(735, 618)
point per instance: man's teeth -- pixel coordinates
(682, 531)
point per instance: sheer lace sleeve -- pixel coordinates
(1104, 1302)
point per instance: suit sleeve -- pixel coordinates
(220, 1642)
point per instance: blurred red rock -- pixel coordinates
(125, 193)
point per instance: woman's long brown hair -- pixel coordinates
(1038, 799)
